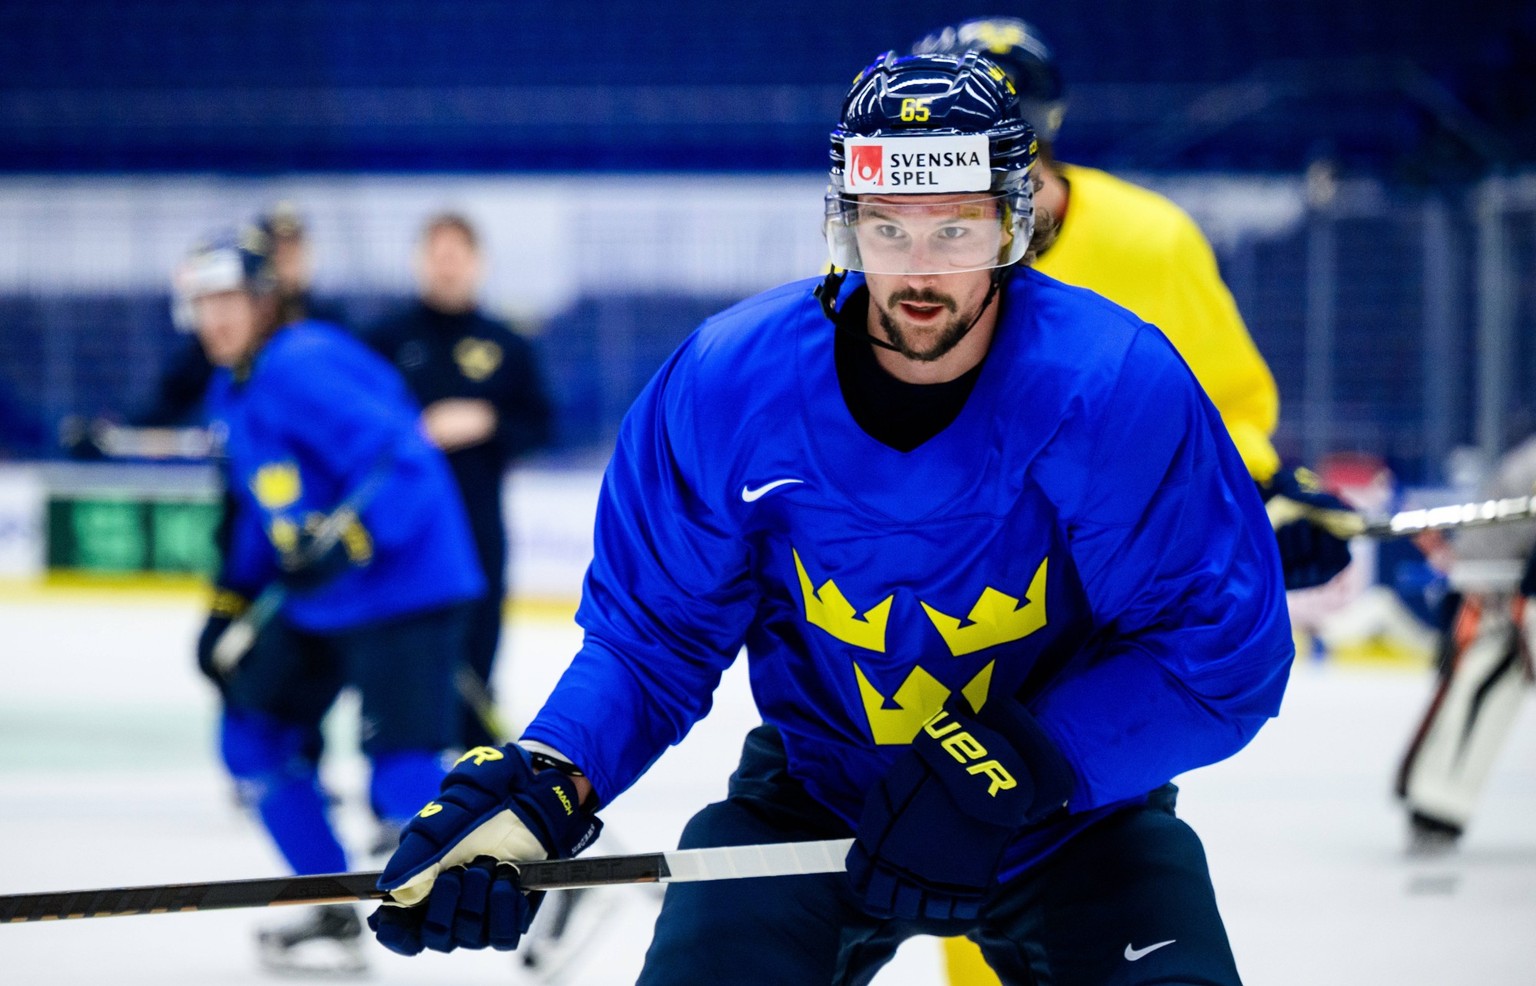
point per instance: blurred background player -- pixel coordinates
(321, 437)
(958, 429)
(1140, 250)
(293, 267)
(1485, 668)
(176, 399)
(483, 403)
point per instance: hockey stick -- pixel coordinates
(480, 701)
(1481, 514)
(1406, 523)
(678, 866)
(121, 441)
(116, 441)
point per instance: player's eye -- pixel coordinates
(952, 233)
(889, 231)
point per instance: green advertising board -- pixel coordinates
(125, 534)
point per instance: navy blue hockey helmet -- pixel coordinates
(923, 125)
(283, 221)
(236, 259)
(1017, 46)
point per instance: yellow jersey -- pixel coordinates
(1144, 253)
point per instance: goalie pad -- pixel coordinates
(1473, 709)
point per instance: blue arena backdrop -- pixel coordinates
(695, 85)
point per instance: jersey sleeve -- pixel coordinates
(667, 599)
(246, 561)
(1203, 323)
(1181, 571)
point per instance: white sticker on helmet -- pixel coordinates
(212, 272)
(917, 165)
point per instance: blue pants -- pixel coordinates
(403, 670)
(270, 736)
(1087, 916)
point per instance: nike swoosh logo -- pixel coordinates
(1136, 954)
(748, 494)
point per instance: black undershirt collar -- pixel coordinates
(893, 412)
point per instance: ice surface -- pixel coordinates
(108, 778)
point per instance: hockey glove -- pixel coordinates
(1312, 527)
(322, 551)
(226, 608)
(933, 830)
(450, 882)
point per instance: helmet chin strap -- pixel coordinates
(826, 292)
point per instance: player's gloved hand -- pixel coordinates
(449, 882)
(1312, 527)
(226, 608)
(324, 549)
(933, 830)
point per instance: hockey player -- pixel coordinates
(322, 437)
(177, 399)
(483, 403)
(1138, 249)
(949, 506)
(1142, 251)
(1485, 673)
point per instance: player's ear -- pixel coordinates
(266, 307)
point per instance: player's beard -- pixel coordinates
(949, 335)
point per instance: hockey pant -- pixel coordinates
(1098, 912)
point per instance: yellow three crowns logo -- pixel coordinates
(829, 609)
(996, 618)
(918, 699)
(277, 485)
(477, 358)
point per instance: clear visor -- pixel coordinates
(910, 234)
(205, 273)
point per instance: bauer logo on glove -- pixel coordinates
(960, 744)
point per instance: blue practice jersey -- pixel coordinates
(319, 416)
(1083, 538)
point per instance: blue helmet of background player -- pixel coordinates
(1018, 47)
(236, 259)
(282, 221)
(923, 125)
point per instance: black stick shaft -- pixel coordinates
(174, 897)
(551, 874)
(682, 865)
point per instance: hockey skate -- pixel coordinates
(1430, 837)
(325, 942)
